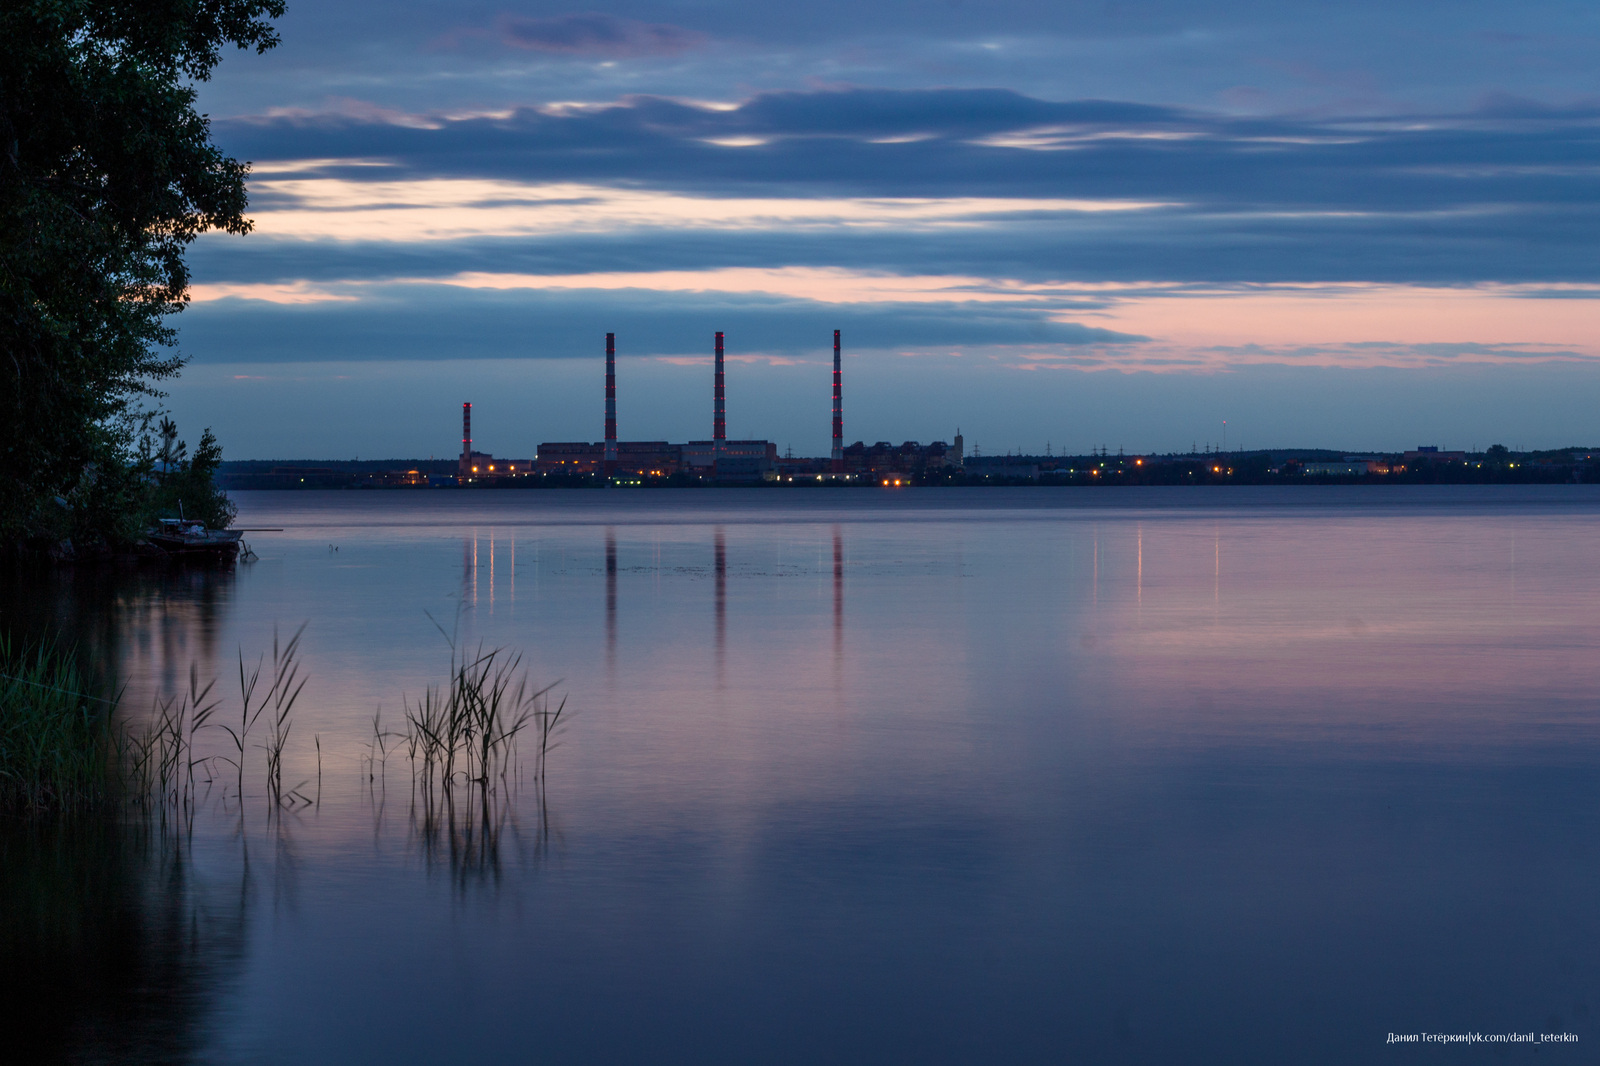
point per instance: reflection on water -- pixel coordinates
(838, 597)
(720, 565)
(611, 599)
(116, 948)
(477, 836)
(1197, 777)
(141, 623)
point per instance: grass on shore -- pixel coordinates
(62, 749)
(58, 748)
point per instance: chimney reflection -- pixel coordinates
(838, 596)
(469, 570)
(1216, 579)
(611, 598)
(721, 570)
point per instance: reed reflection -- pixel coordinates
(116, 948)
(473, 831)
(469, 834)
(463, 744)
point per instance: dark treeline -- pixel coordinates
(343, 466)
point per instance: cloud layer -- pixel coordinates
(1506, 193)
(595, 34)
(1035, 190)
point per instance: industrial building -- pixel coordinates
(632, 458)
(481, 466)
(717, 459)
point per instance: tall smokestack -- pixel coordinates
(719, 406)
(611, 404)
(466, 438)
(838, 409)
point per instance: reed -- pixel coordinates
(57, 743)
(283, 688)
(61, 746)
(283, 694)
(549, 725)
(466, 733)
(377, 759)
(156, 766)
(462, 741)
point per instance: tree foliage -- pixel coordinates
(186, 486)
(107, 173)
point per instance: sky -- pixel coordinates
(1051, 224)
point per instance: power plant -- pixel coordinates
(717, 459)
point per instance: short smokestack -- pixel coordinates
(838, 409)
(719, 407)
(611, 405)
(466, 438)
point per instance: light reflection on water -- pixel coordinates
(925, 776)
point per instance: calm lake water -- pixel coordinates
(927, 776)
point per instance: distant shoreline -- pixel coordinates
(1286, 467)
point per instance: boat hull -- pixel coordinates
(212, 546)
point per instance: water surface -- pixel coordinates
(1029, 775)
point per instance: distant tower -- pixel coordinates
(719, 407)
(611, 405)
(466, 439)
(958, 453)
(838, 410)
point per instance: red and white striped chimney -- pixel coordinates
(611, 405)
(719, 407)
(838, 409)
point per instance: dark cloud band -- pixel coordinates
(439, 322)
(1506, 193)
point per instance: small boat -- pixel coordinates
(189, 539)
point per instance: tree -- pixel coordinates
(107, 173)
(173, 450)
(189, 488)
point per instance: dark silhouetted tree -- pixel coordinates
(107, 173)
